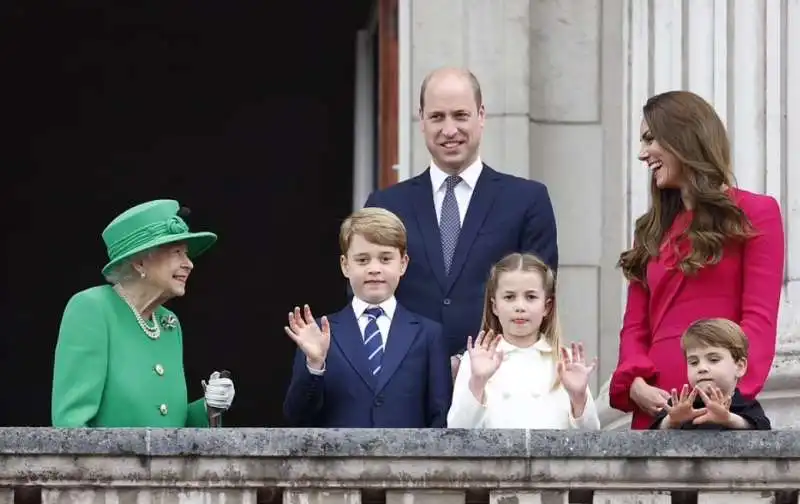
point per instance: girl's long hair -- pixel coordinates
(550, 329)
(685, 124)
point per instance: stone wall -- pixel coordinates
(249, 466)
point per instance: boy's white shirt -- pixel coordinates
(520, 395)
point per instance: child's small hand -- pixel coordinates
(573, 370)
(312, 341)
(682, 408)
(484, 357)
(718, 407)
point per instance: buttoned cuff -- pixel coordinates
(589, 420)
(316, 372)
(467, 412)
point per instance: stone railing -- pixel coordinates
(300, 466)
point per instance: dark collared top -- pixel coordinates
(750, 410)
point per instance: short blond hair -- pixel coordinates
(376, 225)
(716, 332)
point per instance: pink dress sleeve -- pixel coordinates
(634, 347)
(763, 275)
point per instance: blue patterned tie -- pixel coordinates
(450, 221)
(373, 341)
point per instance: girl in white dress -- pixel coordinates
(516, 374)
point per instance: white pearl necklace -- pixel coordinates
(151, 332)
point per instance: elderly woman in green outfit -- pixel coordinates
(119, 357)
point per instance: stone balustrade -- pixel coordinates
(319, 466)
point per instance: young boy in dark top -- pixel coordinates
(716, 358)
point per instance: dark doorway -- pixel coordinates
(242, 111)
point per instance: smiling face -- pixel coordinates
(520, 304)
(451, 120)
(663, 165)
(167, 268)
(373, 270)
(714, 366)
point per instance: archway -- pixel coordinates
(241, 110)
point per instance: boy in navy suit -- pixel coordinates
(716, 359)
(374, 363)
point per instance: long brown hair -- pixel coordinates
(687, 126)
(550, 329)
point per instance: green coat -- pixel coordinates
(108, 373)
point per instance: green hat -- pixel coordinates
(149, 225)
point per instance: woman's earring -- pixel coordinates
(142, 274)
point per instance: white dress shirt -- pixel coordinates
(384, 322)
(520, 395)
(463, 191)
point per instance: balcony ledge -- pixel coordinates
(399, 443)
(373, 458)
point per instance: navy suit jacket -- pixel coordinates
(505, 214)
(413, 389)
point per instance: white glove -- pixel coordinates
(219, 391)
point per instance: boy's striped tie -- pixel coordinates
(373, 340)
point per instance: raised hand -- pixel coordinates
(312, 340)
(718, 407)
(682, 409)
(484, 357)
(573, 371)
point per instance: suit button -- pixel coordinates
(163, 409)
(446, 302)
(159, 369)
(378, 401)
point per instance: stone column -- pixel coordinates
(576, 77)
(567, 152)
(744, 58)
(492, 40)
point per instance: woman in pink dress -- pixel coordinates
(703, 249)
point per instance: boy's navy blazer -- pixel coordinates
(505, 214)
(413, 389)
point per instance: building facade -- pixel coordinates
(564, 82)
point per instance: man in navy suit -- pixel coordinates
(374, 363)
(461, 215)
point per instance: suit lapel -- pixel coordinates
(479, 205)
(347, 336)
(428, 225)
(402, 333)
